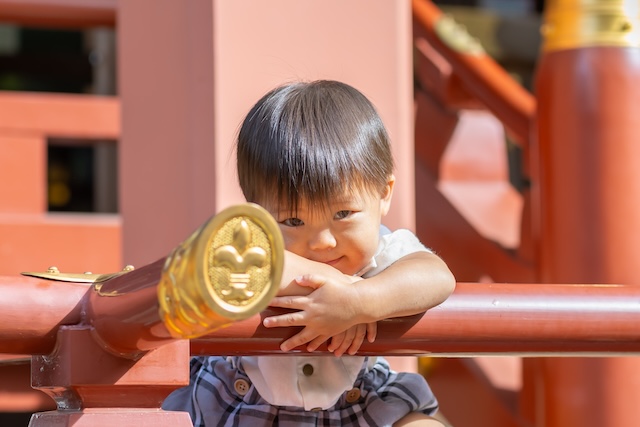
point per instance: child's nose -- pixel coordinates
(323, 239)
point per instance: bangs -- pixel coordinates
(322, 141)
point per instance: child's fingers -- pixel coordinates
(311, 280)
(349, 335)
(316, 342)
(292, 302)
(296, 318)
(358, 339)
(297, 340)
(372, 331)
(336, 341)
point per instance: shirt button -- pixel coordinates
(353, 395)
(307, 370)
(316, 409)
(241, 386)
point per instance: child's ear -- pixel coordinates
(387, 193)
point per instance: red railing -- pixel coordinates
(550, 319)
(481, 318)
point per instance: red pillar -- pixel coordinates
(588, 193)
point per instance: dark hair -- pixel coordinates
(312, 141)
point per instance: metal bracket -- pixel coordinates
(53, 273)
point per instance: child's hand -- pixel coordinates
(351, 340)
(332, 308)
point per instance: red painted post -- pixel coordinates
(589, 190)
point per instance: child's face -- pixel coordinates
(345, 235)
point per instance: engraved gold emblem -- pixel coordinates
(238, 258)
(226, 271)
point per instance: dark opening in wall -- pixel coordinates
(82, 176)
(57, 60)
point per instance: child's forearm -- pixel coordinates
(295, 266)
(411, 285)
(314, 291)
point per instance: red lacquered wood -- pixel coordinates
(588, 201)
(59, 13)
(124, 311)
(32, 310)
(523, 319)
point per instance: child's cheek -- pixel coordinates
(290, 242)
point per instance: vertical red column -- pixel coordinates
(588, 189)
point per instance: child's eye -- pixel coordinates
(292, 222)
(342, 214)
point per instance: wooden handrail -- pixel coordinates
(479, 318)
(60, 13)
(32, 310)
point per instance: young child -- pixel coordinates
(316, 155)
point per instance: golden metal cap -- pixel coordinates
(228, 270)
(570, 24)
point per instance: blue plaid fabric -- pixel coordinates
(212, 400)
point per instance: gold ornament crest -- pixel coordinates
(228, 270)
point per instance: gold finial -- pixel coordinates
(228, 270)
(570, 24)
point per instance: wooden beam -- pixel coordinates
(479, 318)
(59, 13)
(483, 318)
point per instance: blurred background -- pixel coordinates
(117, 121)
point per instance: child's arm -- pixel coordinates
(330, 303)
(411, 285)
(296, 267)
